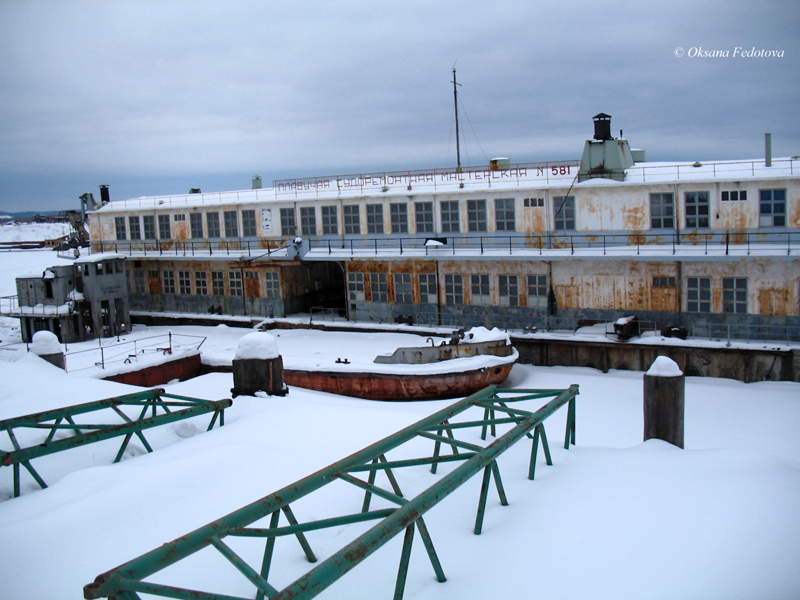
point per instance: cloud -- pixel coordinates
(138, 90)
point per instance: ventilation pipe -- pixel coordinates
(767, 149)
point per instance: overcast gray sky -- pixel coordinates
(157, 97)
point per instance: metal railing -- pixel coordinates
(405, 516)
(228, 247)
(703, 243)
(107, 420)
(10, 306)
(746, 332)
(129, 351)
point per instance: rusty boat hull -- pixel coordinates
(399, 387)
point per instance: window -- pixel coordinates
(119, 227)
(428, 293)
(504, 214)
(374, 218)
(196, 225)
(149, 227)
(450, 216)
(200, 283)
(152, 273)
(288, 225)
(217, 283)
(696, 210)
(734, 195)
(352, 219)
(355, 286)
(481, 292)
(330, 226)
(249, 223)
(453, 288)
(399, 217)
(272, 288)
(164, 232)
(308, 220)
(181, 217)
(698, 294)
(734, 295)
(379, 287)
(185, 282)
(661, 281)
(138, 281)
(231, 223)
(133, 228)
(662, 211)
(534, 202)
(772, 208)
(564, 211)
(537, 287)
(476, 215)
(402, 288)
(169, 282)
(212, 225)
(508, 290)
(423, 212)
(235, 283)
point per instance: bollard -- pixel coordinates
(257, 366)
(664, 386)
(44, 344)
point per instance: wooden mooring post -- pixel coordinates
(664, 389)
(257, 366)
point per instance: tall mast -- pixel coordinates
(455, 100)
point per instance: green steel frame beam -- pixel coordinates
(174, 408)
(127, 581)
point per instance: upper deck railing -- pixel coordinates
(672, 243)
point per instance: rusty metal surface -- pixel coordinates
(372, 386)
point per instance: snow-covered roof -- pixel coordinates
(539, 176)
(98, 257)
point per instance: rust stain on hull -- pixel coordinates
(372, 386)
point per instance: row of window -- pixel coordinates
(771, 208)
(199, 283)
(480, 287)
(698, 290)
(144, 227)
(477, 218)
(772, 213)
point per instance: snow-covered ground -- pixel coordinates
(32, 232)
(612, 518)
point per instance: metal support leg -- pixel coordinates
(402, 572)
(270, 546)
(301, 537)
(569, 435)
(428, 543)
(538, 433)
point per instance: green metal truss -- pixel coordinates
(109, 421)
(127, 581)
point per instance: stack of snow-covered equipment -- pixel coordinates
(257, 366)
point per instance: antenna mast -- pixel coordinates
(455, 100)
